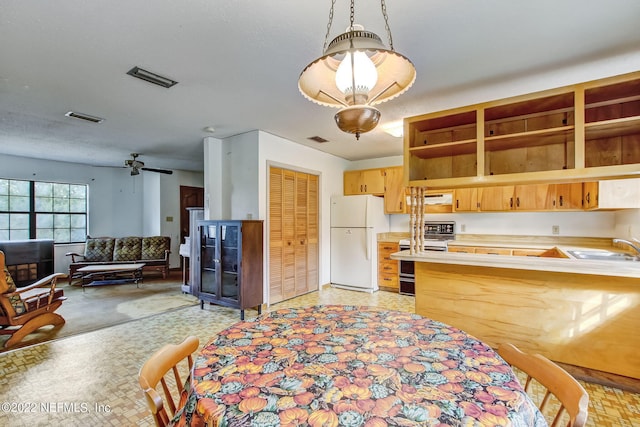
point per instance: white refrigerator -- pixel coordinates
(355, 223)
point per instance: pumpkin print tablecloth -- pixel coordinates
(352, 366)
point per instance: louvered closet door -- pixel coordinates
(313, 279)
(293, 234)
(276, 254)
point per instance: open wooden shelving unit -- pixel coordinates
(587, 131)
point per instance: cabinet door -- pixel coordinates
(367, 181)
(497, 198)
(534, 197)
(373, 180)
(394, 192)
(465, 200)
(569, 196)
(590, 194)
(229, 247)
(209, 259)
(353, 183)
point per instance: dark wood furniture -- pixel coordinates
(229, 264)
(111, 274)
(28, 260)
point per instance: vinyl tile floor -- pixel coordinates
(91, 379)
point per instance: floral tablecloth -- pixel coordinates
(352, 366)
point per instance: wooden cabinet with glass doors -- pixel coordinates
(229, 264)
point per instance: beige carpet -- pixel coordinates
(103, 306)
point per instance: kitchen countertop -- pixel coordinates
(561, 265)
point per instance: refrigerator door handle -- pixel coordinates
(368, 238)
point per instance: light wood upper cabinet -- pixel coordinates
(465, 200)
(394, 190)
(583, 132)
(568, 196)
(366, 181)
(496, 198)
(534, 197)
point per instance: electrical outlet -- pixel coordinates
(463, 228)
(555, 229)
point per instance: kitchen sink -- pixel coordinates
(603, 255)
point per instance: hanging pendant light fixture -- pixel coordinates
(355, 73)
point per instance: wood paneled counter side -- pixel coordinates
(578, 312)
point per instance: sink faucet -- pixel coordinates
(626, 242)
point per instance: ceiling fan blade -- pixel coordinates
(165, 171)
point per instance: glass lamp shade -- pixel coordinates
(363, 73)
(395, 73)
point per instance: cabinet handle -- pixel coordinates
(365, 187)
(361, 186)
(289, 243)
(511, 202)
(561, 201)
(517, 202)
(588, 197)
(457, 203)
(302, 242)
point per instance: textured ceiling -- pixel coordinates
(237, 63)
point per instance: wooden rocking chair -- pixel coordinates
(24, 310)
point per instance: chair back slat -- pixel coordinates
(155, 369)
(572, 397)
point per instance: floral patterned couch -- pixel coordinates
(152, 251)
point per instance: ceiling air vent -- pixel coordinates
(318, 139)
(151, 77)
(85, 117)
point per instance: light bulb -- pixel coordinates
(364, 74)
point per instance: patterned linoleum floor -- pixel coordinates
(91, 379)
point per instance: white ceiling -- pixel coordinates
(238, 61)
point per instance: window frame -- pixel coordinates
(33, 213)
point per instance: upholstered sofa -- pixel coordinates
(152, 251)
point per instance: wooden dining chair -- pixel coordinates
(156, 370)
(572, 397)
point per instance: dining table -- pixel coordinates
(348, 365)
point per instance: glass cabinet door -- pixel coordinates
(210, 259)
(229, 250)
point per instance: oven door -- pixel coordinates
(406, 275)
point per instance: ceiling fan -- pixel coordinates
(136, 166)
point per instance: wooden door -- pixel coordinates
(465, 200)
(301, 238)
(352, 182)
(569, 196)
(590, 192)
(394, 191)
(313, 231)
(373, 180)
(534, 197)
(293, 234)
(497, 198)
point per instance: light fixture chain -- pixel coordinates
(386, 23)
(351, 15)
(326, 37)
